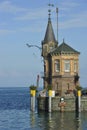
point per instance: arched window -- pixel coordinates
(57, 65)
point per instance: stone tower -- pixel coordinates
(61, 63)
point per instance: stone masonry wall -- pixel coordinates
(69, 106)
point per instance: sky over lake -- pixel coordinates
(25, 21)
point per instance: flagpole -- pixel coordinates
(57, 22)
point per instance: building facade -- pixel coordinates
(61, 63)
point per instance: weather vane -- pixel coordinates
(49, 10)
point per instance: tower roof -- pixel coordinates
(49, 35)
(64, 49)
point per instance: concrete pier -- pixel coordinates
(70, 103)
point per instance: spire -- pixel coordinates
(49, 35)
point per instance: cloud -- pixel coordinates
(78, 20)
(5, 31)
(67, 5)
(38, 13)
(73, 19)
(10, 73)
(31, 29)
(23, 13)
(26, 14)
(7, 6)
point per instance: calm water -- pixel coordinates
(15, 114)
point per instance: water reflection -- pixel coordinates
(78, 121)
(32, 119)
(60, 121)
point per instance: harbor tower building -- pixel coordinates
(61, 63)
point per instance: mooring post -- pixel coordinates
(50, 98)
(79, 100)
(32, 93)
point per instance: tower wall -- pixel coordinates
(63, 85)
(61, 63)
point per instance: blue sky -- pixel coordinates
(25, 21)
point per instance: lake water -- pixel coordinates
(15, 114)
